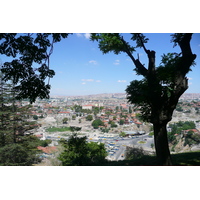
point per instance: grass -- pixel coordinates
(141, 142)
(180, 159)
(56, 129)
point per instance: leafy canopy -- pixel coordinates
(27, 50)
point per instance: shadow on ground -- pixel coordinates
(180, 159)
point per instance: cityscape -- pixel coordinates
(122, 126)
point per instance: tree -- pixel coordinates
(112, 124)
(27, 50)
(122, 134)
(121, 122)
(16, 146)
(73, 117)
(77, 152)
(65, 120)
(35, 117)
(89, 118)
(96, 123)
(157, 94)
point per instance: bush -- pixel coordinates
(192, 138)
(134, 153)
(122, 134)
(77, 152)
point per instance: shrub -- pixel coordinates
(134, 153)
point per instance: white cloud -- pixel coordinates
(189, 78)
(83, 83)
(87, 80)
(98, 81)
(87, 35)
(121, 81)
(116, 62)
(79, 35)
(93, 62)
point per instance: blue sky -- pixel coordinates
(82, 69)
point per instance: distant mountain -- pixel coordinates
(121, 95)
(190, 96)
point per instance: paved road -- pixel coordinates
(123, 142)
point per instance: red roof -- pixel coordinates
(48, 149)
(138, 123)
(64, 112)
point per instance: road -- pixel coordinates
(121, 143)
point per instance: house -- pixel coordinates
(193, 130)
(48, 149)
(89, 106)
(64, 113)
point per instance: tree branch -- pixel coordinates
(184, 44)
(141, 69)
(150, 54)
(187, 56)
(142, 43)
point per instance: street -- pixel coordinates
(116, 146)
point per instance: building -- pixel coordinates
(89, 106)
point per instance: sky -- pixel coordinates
(82, 69)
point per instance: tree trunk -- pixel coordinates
(161, 144)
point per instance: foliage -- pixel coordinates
(77, 152)
(151, 133)
(122, 134)
(89, 118)
(22, 153)
(44, 143)
(191, 138)
(35, 117)
(104, 130)
(171, 137)
(179, 126)
(73, 117)
(65, 120)
(121, 122)
(15, 155)
(113, 125)
(17, 147)
(96, 123)
(27, 50)
(75, 128)
(134, 153)
(110, 42)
